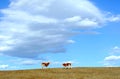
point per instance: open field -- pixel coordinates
(59, 73)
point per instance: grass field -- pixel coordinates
(59, 73)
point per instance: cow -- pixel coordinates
(67, 65)
(45, 64)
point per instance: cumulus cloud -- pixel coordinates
(3, 66)
(116, 50)
(114, 18)
(114, 58)
(29, 28)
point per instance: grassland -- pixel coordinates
(59, 73)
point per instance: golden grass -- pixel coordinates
(59, 73)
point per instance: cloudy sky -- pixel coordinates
(83, 32)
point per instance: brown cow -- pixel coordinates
(67, 65)
(45, 64)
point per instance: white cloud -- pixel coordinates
(112, 61)
(73, 19)
(71, 41)
(59, 63)
(3, 48)
(14, 68)
(86, 23)
(114, 58)
(70, 61)
(114, 18)
(25, 61)
(28, 62)
(29, 28)
(115, 50)
(3, 66)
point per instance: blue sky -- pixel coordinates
(83, 32)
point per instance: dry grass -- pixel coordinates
(59, 73)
